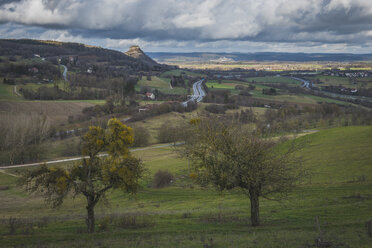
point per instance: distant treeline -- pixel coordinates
(84, 87)
(261, 56)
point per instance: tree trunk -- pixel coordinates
(90, 217)
(255, 205)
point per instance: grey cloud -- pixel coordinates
(205, 21)
(8, 1)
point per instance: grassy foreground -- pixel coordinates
(185, 215)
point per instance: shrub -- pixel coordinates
(270, 91)
(216, 109)
(133, 221)
(71, 147)
(141, 136)
(245, 93)
(169, 133)
(162, 179)
(13, 225)
(4, 187)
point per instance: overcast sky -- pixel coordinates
(196, 25)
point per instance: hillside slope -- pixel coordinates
(185, 215)
(339, 154)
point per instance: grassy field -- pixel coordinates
(273, 79)
(153, 124)
(155, 82)
(225, 84)
(162, 84)
(185, 215)
(281, 97)
(7, 92)
(340, 154)
(180, 72)
(56, 111)
(293, 98)
(34, 86)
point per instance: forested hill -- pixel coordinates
(81, 54)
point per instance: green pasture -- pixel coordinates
(272, 79)
(162, 84)
(339, 154)
(187, 215)
(181, 72)
(284, 96)
(7, 92)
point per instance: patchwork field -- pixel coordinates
(282, 96)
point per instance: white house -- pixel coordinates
(150, 95)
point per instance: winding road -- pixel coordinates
(16, 92)
(199, 93)
(305, 83)
(64, 72)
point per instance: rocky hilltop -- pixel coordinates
(137, 53)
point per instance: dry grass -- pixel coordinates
(56, 112)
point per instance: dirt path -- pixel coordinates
(76, 158)
(16, 92)
(10, 174)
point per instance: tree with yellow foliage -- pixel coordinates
(94, 175)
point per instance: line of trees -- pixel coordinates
(21, 137)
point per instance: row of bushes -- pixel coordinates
(220, 109)
(163, 109)
(55, 93)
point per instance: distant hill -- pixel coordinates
(164, 57)
(137, 53)
(86, 54)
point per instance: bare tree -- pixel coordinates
(230, 156)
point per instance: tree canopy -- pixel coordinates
(230, 156)
(94, 175)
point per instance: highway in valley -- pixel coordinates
(198, 93)
(305, 83)
(309, 86)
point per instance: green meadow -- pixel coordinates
(338, 191)
(162, 84)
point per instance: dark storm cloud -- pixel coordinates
(203, 21)
(8, 1)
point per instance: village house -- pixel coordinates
(33, 70)
(150, 95)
